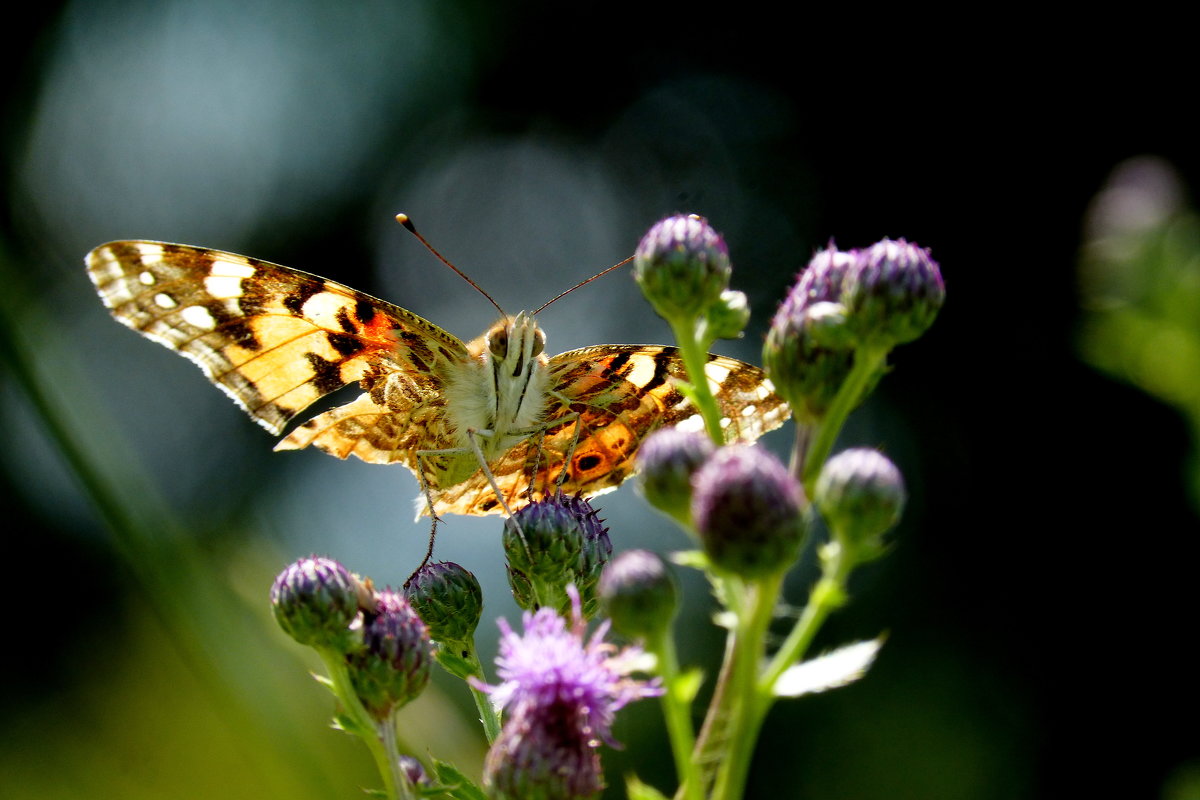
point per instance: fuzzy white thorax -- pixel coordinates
(501, 391)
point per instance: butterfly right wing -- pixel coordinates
(273, 338)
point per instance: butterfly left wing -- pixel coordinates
(612, 398)
(273, 338)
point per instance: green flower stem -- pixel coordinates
(694, 351)
(483, 702)
(460, 659)
(867, 364)
(745, 706)
(382, 746)
(387, 735)
(731, 595)
(676, 703)
(828, 594)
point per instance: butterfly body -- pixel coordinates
(276, 339)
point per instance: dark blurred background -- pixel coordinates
(1042, 589)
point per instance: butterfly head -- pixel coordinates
(516, 343)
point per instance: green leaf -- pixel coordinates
(449, 659)
(636, 790)
(687, 684)
(691, 558)
(829, 670)
(455, 784)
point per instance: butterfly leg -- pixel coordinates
(562, 473)
(477, 451)
(433, 517)
(539, 436)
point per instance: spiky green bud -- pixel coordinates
(546, 548)
(682, 265)
(448, 599)
(893, 293)
(315, 600)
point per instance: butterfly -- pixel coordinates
(485, 425)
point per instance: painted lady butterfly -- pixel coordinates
(276, 339)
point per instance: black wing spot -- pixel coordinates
(615, 366)
(588, 463)
(234, 326)
(300, 295)
(364, 311)
(662, 363)
(343, 318)
(345, 344)
(327, 375)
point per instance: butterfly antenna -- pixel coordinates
(407, 223)
(600, 274)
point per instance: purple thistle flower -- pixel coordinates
(560, 693)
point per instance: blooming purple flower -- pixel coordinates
(560, 693)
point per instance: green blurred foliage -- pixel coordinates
(1140, 280)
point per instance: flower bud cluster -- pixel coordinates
(885, 295)
(740, 499)
(383, 644)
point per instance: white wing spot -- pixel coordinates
(164, 300)
(322, 309)
(198, 317)
(223, 287)
(146, 279)
(725, 422)
(150, 253)
(749, 411)
(716, 376)
(226, 268)
(691, 424)
(642, 372)
(716, 372)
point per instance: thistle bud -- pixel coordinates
(395, 663)
(809, 350)
(448, 599)
(639, 594)
(315, 600)
(860, 493)
(413, 771)
(597, 551)
(666, 461)
(550, 556)
(682, 265)
(893, 293)
(728, 316)
(748, 511)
